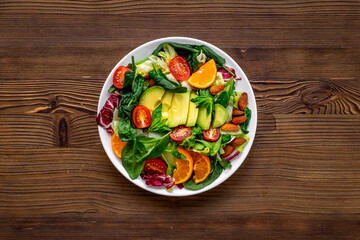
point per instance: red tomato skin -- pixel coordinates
(155, 165)
(119, 75)
(141, 116)
(212, 134)
(179, 68)
(180, 133)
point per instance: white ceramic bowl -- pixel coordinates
(243, 85)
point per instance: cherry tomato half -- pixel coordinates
(155, 165)
(180, 133)
(141, 117)
(212, 134)
(119, 75)
(179, 68)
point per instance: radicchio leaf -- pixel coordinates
(105, 117)
(226, 75)
(159, 180)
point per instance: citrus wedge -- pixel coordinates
(205, 76)
(202, 166)
(117, 145)
(184, 168)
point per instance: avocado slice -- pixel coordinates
(179, 108)
(193, 112)
(166, 103)
(221, 115)
(204, 120)
(151, 98)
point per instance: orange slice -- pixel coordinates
(205, 76)
(202, 166)
(184, 168)
(117, 145)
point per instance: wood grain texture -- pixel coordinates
(300, 180)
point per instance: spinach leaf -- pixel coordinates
(158, 125)
(202, 101)
(112, 89)
(138, 87)
(126, 131)
(223, 99)
(225, 138)
(244, 125)
(124, 107)
(160, 79)
(187, 47)
(193, 62)
(216, 171)
(129, 155)
(154, 147)
(129, 77)
(159, 147)
(210, 53)
(136, 152)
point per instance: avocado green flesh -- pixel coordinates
(151, 98)
(193, 112)
(166, 103)
(221, 115)
(178, 111)
(204, 120)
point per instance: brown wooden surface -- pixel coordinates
(301, 179)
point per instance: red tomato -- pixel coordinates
(212, 134)
(155, 165)
(179, 68)
(119, 75)
(141, 117)
(180, 133)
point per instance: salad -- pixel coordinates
(175, 117)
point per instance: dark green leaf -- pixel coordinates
(244, 125)
(138, 87)
(126, 131)
(112, 89)
(187, 47)
(210, 53)
(161, 80)
(129, 77)
(223, 99)
(225, 138)
(124, 107)
(130, 154)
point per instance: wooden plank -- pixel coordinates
(226, 30)
(180, 224)
(174, 7)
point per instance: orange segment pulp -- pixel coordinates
(205, 76)
(184, 168)
(202, 166)
(117, 145)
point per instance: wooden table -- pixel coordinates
(301, 179)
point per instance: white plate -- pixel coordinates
(243, 85)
